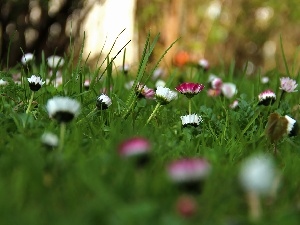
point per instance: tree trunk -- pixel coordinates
(102, 25)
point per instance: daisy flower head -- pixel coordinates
(158, 72)
(136, 148)
(144, 92)
(292, 126)
(257, 174)
(3, 82)
(35, 82)
(204, 64)
(49, 139)
(54, 61)
(216, 83)
(234, 104)
(103, 102)
(86, 84)
(228, 90)
(63, 109)
(160, 82)
(266, 97)
(189, 172)
(265, 80)
(193, 120)
(124, 68)
(288, 85)
(165, 95)
(26, 58)
(190, 89)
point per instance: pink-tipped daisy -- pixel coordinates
(216, 83)
(288, 85)
(35, 82)
(144, 92)
(190, 89)
(193, 120)
(189, 172)
(86, 84)
(266, 98)
(136, 147)
(234, 104)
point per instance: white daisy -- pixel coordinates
(26, 58)
(165, 95)
(63, 109)
(192, 119)
(103, 102)
(35, 82)
(55, 61)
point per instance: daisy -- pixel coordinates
(234, 104)
(228, 90)
(204, 64)
(288, 85)
(103, 102)
(50, 139)
(26, 58)
(190, 89)
(216, 83)
(160, 82)
(193, 120)
(189, 172)
(3, 82)
(164, 95)
(134, 146)
(86, 84)
(158, 72)
(266, 98)
(257, 176)
(144, 91)
(63, 109)
(292, 126)
(35, 82)
(54, 61)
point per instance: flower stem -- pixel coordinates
(62, 136)
(153, 113)
(255, 211)
(30, 102)
(190, 106)
(281, 97)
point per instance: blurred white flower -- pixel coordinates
(257, 174)
(26, 58)
(55, 61)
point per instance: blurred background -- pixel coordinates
(221, 31)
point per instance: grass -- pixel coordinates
(89, 183)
